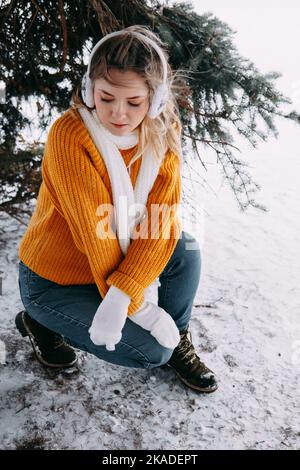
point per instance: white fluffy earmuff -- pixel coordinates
(161, 94)
(87, 91)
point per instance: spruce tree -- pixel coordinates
(42, 60)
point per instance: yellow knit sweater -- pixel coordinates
(61, 242)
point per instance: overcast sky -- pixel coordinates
(267, 33)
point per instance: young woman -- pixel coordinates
(104, 265)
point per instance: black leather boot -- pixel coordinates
(49, 347)
(190, 370)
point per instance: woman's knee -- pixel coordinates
(129, 357)
(159, 356)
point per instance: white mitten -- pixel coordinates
(109, 319)
(161, 325)
(151, 292)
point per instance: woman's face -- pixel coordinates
(127, 103)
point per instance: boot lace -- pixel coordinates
(58, 341)
(186, 349)
(188, 354)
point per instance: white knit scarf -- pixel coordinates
(129, 203)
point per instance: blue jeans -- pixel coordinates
(69, 309)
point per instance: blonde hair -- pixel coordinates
(128, 52)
